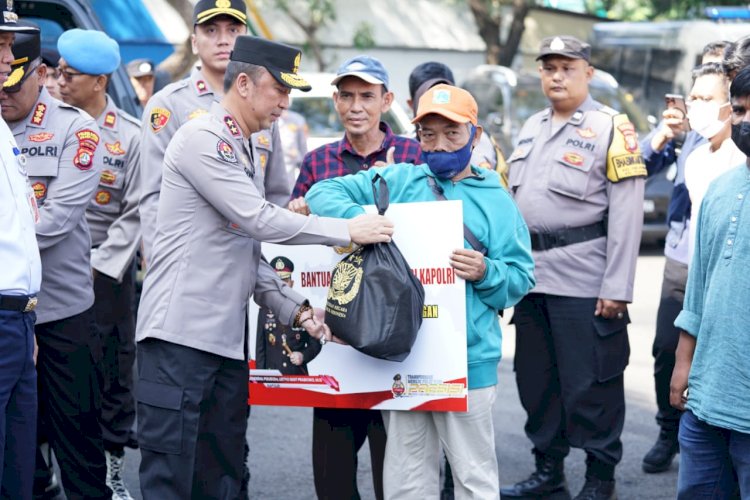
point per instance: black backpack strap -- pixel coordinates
(468, 235)
(381, 196)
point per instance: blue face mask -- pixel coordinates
(446, 165)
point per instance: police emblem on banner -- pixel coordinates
(226, 152)
(159, 118)
(87, 142)
(345, 282)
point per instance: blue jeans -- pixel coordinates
(709, 456)
(18, 404)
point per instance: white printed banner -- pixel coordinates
(432, 377)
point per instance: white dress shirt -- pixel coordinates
(20, 266)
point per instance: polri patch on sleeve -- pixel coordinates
(87, 142)
(624, 159)
(159, 118)
(226, 152)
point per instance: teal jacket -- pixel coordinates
(492, 216)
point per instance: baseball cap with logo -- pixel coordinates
(9, 21)
(448, 101)
(566, 46)
(282, 61)
(208, 9)
(140, 67)
(365, 68)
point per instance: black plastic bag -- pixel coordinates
(375, 302)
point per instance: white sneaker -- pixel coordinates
(114, 476)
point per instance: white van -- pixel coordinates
(650, 59)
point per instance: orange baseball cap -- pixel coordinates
(453, 103)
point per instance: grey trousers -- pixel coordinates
(192, 419)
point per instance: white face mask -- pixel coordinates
(704, 117)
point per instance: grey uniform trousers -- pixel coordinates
(192, 419)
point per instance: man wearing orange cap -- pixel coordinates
(497, 266)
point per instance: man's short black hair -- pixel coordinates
(428, 71)
(741, 84)
(736, 56)
(235, 68)
(716, 48)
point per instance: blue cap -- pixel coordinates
(365, 68)
(89, 51)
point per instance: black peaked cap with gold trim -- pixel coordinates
(208, 9)
(27, 48)
(9, 20)
(282, 61)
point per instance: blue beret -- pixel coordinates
(89, 51)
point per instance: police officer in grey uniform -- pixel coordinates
(20, 280)
(216, 25)
(115, 234)
(60, 144)
(278, 346)
(192, 363)
(577, 176)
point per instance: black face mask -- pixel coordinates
(741, 136)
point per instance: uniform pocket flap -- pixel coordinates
(42, 167)
(606, 327)
(159, 395)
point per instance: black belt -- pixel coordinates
(20, 303)
(567, 236)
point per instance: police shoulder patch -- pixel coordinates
(159, 118)
(37, 117)
(110, 119)
(226, 151)
(624, 159)
(88, 140)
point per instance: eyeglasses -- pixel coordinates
(66, 74)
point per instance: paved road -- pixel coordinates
(280, 437)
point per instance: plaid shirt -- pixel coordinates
(327, 161)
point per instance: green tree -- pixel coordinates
(489, 19)
(310, 16)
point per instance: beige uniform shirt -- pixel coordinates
(559, 179)
(165, 113)
(206, 255)
(60, 145)
(113, 211)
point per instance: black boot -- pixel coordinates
(659, 457)
(549, 477)
(597, 489)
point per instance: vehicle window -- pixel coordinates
(488, 95)
(527, 101)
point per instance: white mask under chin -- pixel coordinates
(704, 117)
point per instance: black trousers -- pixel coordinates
(338, 434)
(569, 369)
(192, 419)
(115, 317)
(665, 342)
(69, 375)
